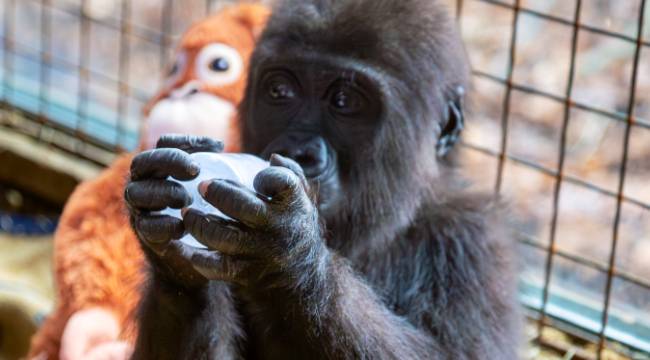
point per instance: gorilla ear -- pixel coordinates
(455, 123)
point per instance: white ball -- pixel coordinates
(236, 167)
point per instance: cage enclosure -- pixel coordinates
(559, 126)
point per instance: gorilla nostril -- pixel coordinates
(306, 161)
(308, 151)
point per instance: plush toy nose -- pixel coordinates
(190, 88)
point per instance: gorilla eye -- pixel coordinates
(346, 102)
(219, 64)
(341, 100)
(281, 91)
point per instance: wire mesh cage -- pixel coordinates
(563, 105)
(80, 71)
(560, 126)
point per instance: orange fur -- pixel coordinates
(97, 257)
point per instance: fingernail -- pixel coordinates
(203, 187)
(195, 169)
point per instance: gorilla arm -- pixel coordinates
(441, 287)
(182, 315)
(305, 300)
(178, 320)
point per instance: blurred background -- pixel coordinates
(559, 124)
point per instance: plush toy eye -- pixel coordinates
(219, 65)
(177, 69)
(174, 70)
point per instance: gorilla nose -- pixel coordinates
(310, 153)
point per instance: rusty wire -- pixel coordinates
(560, 167)
(560, 177)
(621, 181)
(505, 113)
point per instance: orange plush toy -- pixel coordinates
(98, 260)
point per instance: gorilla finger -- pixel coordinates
(156, 195)
(157, 230)
(279, 160)
(190, 143)
(217, 233)
(235, 200)
(279, 183)
(221, 267)
(161, 163)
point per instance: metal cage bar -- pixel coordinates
(46, 50)
(505, 114)
(8, 45)
(82, 70)
(560, 167)
(123, 71)
(623, 172)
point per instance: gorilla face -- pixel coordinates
(363, 103)
(320, 114)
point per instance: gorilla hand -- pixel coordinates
(274, 239)
(149, 190)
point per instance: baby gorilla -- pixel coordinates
(357, 242)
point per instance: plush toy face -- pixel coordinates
(207, 78)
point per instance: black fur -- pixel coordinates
(377, 252)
